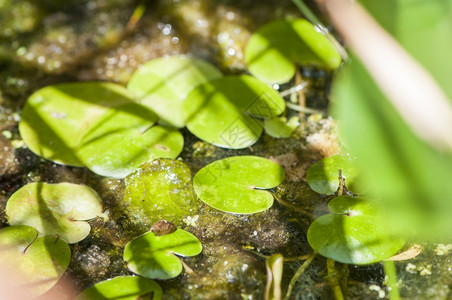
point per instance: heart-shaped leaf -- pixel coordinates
(163, 84)
(38, 263)
(58, 209)
(357, 232)
(274, 50)
(124, 288)
(229, 112)
(323, 176)
(55, 118)
(161, 189)
(155, 257)
(236, 184)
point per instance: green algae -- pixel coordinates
(161, 189)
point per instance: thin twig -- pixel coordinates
(303, 109)
(294, 90)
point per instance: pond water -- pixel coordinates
(49, 42)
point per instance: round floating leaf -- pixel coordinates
(163, 84)
(280, 127)
(154, 256)
(323, 176)
(356, 232)
(58, 209)
(38, 263)
(117, 152)
(235, 184)
(161, 189)
(124, 288)
(273, 51)
(228, 111)
(55, 118)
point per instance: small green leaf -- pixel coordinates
(163, 84)
(280, 127)
(229, 112)
(357, 232)
(236, 184)
(155, 256)
(124, 288)
(274, 50)
(55, 118)
(58, 209)
(38, 262)
(323, 176)
(161, 189)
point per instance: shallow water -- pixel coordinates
(47, 42)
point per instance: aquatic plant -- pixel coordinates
(237, 184)
(124, 288)
(97, 125)
(35, 262)
(229, 111)
(154, 256)
(276, 49)
(55, 209)
(163, 84)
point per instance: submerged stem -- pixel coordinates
(332, 278)
(390, 272)
(299, 272)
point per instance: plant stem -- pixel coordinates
(303, 109)
(390, 272)
(299, 272)
(332, 278)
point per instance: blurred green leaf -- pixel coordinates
(356, 232)
(123, 288)
(411, 177)
(273, 51)
(38, 262)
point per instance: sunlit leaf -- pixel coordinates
(229, 112)
(236, 184)
(163, 84)
(55, 209)
(154, 256)
(356, 232)
(274, 50)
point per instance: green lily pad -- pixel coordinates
(55, 118)
(59, 209)
(124, 288)
(280, 127)
(163, 84)
(161, 189)
(229, 112)
(357, 232)
(38, 262)
(155, 257)
(323, 176)
(117, 152)
(236, 184)
(274, 50)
